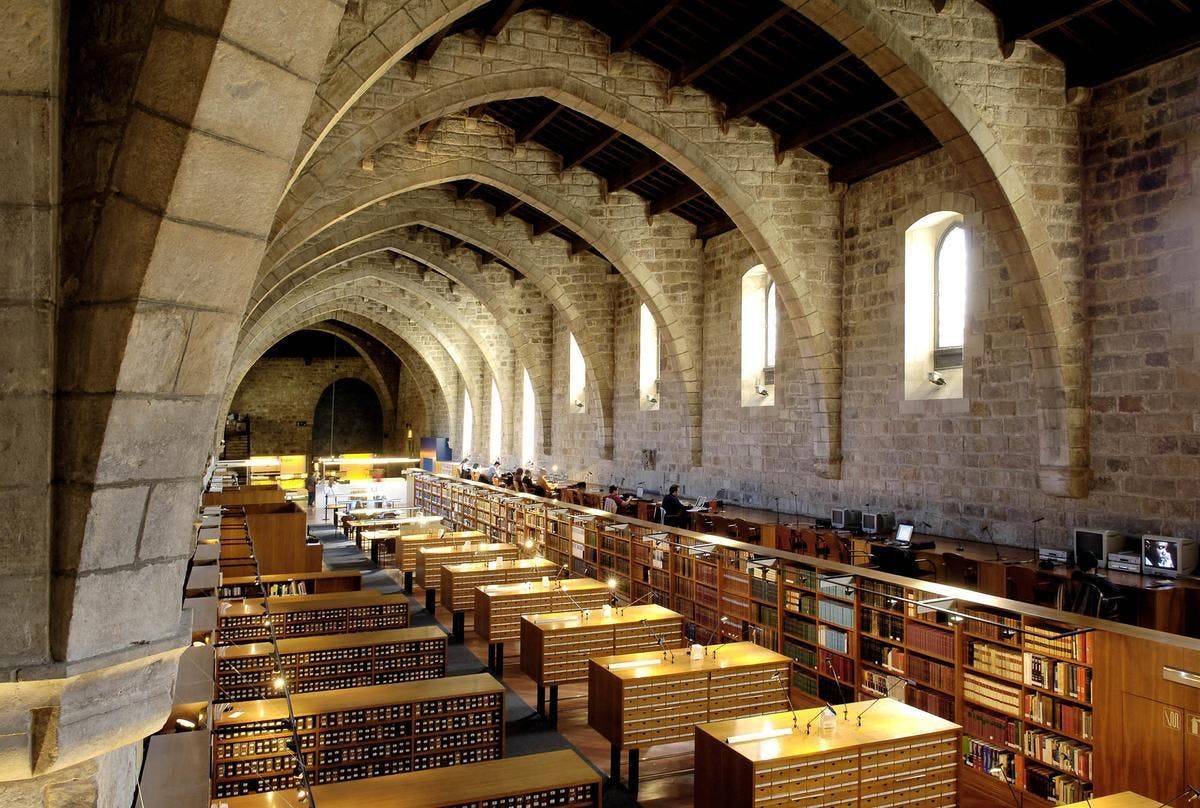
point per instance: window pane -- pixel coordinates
(952, 288)
(772, 326)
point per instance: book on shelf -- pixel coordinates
(840, 613)
(1006, 663)
(985, 757)
(833, 639)
(1063, 753)
(1045, 640)
(998, 696)
(1055, 786)
(996, 730)
(1064, 678)
(930, 673)
(930, 639)
(1050, 712)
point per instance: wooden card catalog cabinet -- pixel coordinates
(900, 756)
(309, 615)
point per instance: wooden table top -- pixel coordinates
(447, 535)
(355, 698)
(455, 785)
(354, 521)
(326, 642)
(284, 577)
(531, 588)
(731, 655)
(304, 603)
(559, 621)
(888, 721)
(520, 564)
(474, 547)
(1126, 799)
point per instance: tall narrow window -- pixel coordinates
(468, 428)
(497, 424)
(759, 328)
(648, 361)
(528, 419)
(937, 257)
(577, 377)
(950, 268)
(771, 331)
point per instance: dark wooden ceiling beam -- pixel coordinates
(539, 123)
(426, 51)
(501, 17)
(863, 107)
(1034, 19)
(590, 149)
(629, 37)
(877, 160)
(543, 226)
(716, 227)
(639, 170)
(687, 73)
(793, 78)
(467, 191)
(1132, 54)
(673, 199)
(579, 246)
(509, 207)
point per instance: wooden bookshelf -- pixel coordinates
(562, 779)
(640, 700)
(900, 756)
(307, 583)
(359, 732)
(556, 646)
(330, 662)
(308, 615)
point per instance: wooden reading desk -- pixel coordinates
(899, 756)
(355, 525)
(430, 561)
(640, 700)
(556, 647)
(313, 583)
(560, 778)
(498, 608)
(459, 582)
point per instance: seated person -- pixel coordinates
(613, 501)
(1110, 606)
(544, 483)
(489, 474)
(674, 512)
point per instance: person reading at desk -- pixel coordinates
(489, 474)
(1109, 593)
(547, 487)
(613, 502)
(674, 513)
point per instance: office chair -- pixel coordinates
(959, 570)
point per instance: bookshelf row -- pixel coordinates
(1021, 688)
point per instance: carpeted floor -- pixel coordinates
(525, 731)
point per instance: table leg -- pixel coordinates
(499, 668)
(459, 626)
(633, 771)
(553, 706)
(408, 583)
(541, 702)
(430, 599)
(614, 763)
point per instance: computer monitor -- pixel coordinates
(1168, 556)
(1099, 542)
(846, 519)
(904, 534)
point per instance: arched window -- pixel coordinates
(937, 257)
(468, 427)
(950, 291)
(577, 377)
(760, 326)
(648, 360)
(528, 419)
(497, 425)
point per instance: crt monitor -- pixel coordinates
(904, 534)
(1168, 556)
(1099, 542)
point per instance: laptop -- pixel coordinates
(904, 535)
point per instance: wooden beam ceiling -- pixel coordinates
(632, 173)
(590, 149)
(870, 104)
(792, 78)
(673, 199)
(638, 28)
(687, 73)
